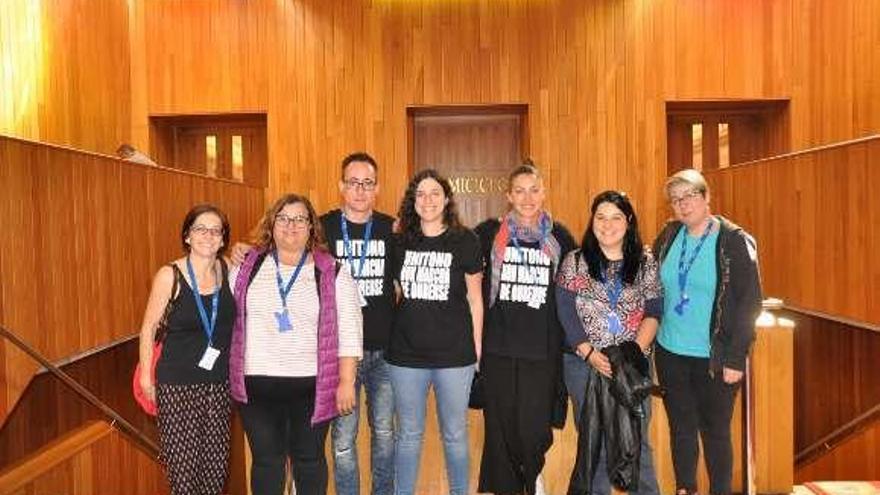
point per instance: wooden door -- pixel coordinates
(230, 146)
(708, 135)
(475, 151)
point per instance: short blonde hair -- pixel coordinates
(690, 177)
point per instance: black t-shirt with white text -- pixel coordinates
(375, 278)
(433, 327)
(522, 323)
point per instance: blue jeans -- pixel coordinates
(576, 372)
(373, 373)
(452, 388)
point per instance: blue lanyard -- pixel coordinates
(684, 267)
(512, 228)
(346, 244)
(208, 327)
(613, 289)
(284, 290)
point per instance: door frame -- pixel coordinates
(413, 111)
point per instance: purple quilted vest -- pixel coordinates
(328, 335)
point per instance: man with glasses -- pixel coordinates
(361, 238)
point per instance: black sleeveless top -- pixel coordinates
(186, 341)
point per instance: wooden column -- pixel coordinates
(772, 400)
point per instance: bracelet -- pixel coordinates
(587, 357)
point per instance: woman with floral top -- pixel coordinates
(607, 293)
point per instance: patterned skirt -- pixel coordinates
(193, 423)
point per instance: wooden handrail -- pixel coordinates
(163, 168)
(117, 419)
(824, 147)
(44, 460)
(90, 352)
(838, 319)
(837, 436)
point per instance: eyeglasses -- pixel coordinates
(366, 184)
(294, 221)
(202, 231)
(684, 198)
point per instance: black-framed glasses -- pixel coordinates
(292, 221)
(366, 184)
(684, 198)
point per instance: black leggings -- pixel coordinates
(697, 402)
(277, 421)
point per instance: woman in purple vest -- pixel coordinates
(295, 347)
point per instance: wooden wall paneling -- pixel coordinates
(858, 194)
(65, 206)
(35, 421)
(872, 220)
(48, 409)
(858, 458)
(126, 211)
(79, 463)
(834, 69)
(832, 356)
(18, 284)
(5, 179)
(803, 287)
(138, 77)
(337, 75)
(67, 67)
(28, 470)
(813, 205)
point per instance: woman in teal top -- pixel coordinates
(712, 296)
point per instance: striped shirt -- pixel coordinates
(269, 352)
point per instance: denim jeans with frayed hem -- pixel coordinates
(373, 375)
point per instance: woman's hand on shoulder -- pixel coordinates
(238, 252)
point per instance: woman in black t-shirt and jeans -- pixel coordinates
(522, 342)
(438, 328)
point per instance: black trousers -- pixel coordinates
(277, 421)
(519, 397)
(697, 403)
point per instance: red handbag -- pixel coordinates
(146, 404)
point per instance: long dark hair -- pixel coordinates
(632, 241)
(410, 223)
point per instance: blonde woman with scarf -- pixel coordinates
(522, 336)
